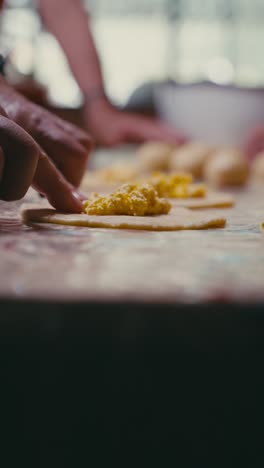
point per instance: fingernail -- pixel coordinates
(78, 201)
(83, 196)
(76, 195)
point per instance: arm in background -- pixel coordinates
(68, 21)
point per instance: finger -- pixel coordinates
(76, 132)
(252, 148)
(3, 112)
(166, 132)
(255, 143)
(20, 153)
(55, 124)
(68, 155)
(148, 129)
(49, 181)
(2, 163)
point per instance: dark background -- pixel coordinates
(131, 385)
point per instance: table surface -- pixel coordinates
(67, 263)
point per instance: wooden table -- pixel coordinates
(66, 263)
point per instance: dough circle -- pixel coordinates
(212, 200)
(180, 219)
(227, 167)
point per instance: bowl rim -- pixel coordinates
(209, 84)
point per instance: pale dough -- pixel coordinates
(154, 156)
(227, 167)
(212, 200)
(192, 158)
(181, 219)
(258, 167)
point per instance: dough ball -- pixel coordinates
(154, 156)
(258, 167)
(120, 172)
(227, 167)
(191, 158)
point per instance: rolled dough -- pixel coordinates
(227, 167)
(180, 219)
(192, 158)
(154, 156)
(212, 200)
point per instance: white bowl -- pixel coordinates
(206, 111)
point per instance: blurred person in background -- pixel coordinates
(67, 20)
(39, 149)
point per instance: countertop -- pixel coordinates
(58, 263)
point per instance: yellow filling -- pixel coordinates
(197, 191)
(262, 226)
(130, 200)
(177, 185)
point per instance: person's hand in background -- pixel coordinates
(41, 150)
(255, 142)
(111, 126)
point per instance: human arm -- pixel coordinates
(109, 125)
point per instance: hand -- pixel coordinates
(255, 142)
(40, 149)
(67, 145)
(23, 163)
(111, 127)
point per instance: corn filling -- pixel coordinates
(177, 185)
(130, 200)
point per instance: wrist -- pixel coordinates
(93, 95)
(97, 104)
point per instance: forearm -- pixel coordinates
(68, 22)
